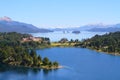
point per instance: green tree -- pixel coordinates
(45, 61)
(55, 64)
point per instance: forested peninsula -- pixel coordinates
(109, 43)
(18, 49)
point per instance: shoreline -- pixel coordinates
(59, 67)
(42, 67)
(110, 53)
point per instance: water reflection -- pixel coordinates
(23, 70)
(46, 71)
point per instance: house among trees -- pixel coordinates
(36, 39)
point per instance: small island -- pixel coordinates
(76, 32)
(18, 49)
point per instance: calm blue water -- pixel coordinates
(56, 36)
(79, 64)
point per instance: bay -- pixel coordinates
(79, 64)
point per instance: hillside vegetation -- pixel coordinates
(109, 42)
(13, 51)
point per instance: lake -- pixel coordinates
(79, 64)
(57, 35)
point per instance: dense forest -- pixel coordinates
(110, 43)
(15, 51)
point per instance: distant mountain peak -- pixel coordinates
(8, 25)
(5, 18)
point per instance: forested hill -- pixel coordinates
(18, 50)
(109, 42)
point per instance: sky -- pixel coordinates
(61, 13)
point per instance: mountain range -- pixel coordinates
(107, 28)
(8, 25)
(92, 28)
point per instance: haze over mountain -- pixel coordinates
(108, 28)
(92, 28)
(8, 25)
